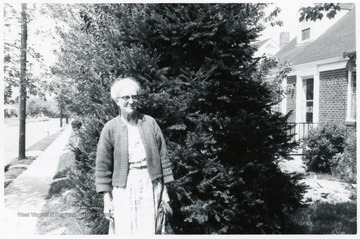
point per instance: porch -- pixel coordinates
(300, 129)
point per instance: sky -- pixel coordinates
(289, 10)
(288, 13)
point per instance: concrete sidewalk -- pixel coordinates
(25, 197)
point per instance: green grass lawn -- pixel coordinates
(62, 217)
(334, 218)
(45, 142)
(325, 218)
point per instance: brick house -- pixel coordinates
(321, 86)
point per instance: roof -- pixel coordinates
(338, 39)
(346, 5)
(260, 43)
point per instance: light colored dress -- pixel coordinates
(135, 205)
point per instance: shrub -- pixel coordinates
(58, 186)
(88, 203)
(321, 145)
(66, 161)
(344, 164)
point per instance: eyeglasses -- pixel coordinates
(128, 97)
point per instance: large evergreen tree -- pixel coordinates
(202, 84)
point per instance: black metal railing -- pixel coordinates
(300, 129)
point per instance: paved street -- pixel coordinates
(35, 131)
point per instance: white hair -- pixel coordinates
(123, 83)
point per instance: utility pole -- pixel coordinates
(23, 83)
(61, 115)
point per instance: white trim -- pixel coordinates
(283, 102)
(300, 69)
(300, 96)
(304, 72)
(349, 93)
(323, 65)
(299, 99)
(316, 98)
(333, 66)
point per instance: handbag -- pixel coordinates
(162, 225)
(111, 226)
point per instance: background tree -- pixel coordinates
(36, 106)
(317, 11)
(12, 18)
(36, 68)
(18, 68)
(202, 85)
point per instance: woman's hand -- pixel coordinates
(165, 198)
(167, 209)
(108, 206)
(165, 195)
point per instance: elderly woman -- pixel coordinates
(131, 164)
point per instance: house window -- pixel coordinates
(305, 34)
(352, 97)
(309, 99)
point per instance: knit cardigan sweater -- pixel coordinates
(112, 161)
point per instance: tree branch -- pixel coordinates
(35, 55)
